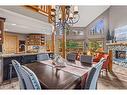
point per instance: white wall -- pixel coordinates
(117, 17)
(105, 17)
(114, 17)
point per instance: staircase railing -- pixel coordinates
(43, 9)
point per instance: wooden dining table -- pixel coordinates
(51, 77)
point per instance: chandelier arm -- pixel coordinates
(73, 21)
(77, 19)
(69, 19)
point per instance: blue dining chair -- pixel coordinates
(86, 60)
(71, 57)
(27, 78)
(91, 81)
(33, 80)
(18, 68)
(42, 57)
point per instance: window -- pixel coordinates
(76, 32)
(98, 28)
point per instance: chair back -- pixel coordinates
(98, 57)
(27, 78)
(105, 65)
(71, 57)
(42, 57)
(86, 59)
(17, 68)
(33, 80)
(91, 82)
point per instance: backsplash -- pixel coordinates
(37, 48)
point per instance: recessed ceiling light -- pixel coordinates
(13, 24)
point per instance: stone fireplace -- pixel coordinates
(120, 54)
(119, 51)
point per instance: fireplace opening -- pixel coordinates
(120, 54)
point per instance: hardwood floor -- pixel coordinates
(117, 80)
(14, 84)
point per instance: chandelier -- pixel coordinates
(64, 15)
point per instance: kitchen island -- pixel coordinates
(22, 58)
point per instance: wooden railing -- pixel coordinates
(40, 8)
(43, 9)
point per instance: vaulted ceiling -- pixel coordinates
(22, 20)
(89, 13)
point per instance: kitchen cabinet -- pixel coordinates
(29, 59)
(36, 39)
(10, 43)
(2, 20)
(22, 59)
(6, 67)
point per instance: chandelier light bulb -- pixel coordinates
(71, 16)
(75, 9)
(64, 15)
(52, 14)
(60, 16)
(53, 8)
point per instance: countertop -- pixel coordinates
(21, 54)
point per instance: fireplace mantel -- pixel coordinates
(118, 44)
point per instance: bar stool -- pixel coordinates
(10, 75)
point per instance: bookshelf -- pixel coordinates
(36, 39)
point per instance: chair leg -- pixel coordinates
(101, 73)
(106, 72)
(96, 85)
(10, 75)
(10, 72)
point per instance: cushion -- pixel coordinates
(98, 57)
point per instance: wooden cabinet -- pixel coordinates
(24, 59)
(10, 43)
(36, 39)
(2, 20)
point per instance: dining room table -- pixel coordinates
(58, 77)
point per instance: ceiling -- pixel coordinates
(26, 11)
(20, 22)
(19, 19)
(88, 14)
